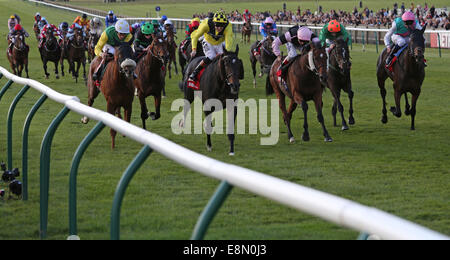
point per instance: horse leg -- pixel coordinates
(407, 107)
(396, 111)
(381, 85)
(318, 103)
(84, 70)
(26, 67)
(175, 63)
(254, 70)
(157, 114)
(78, 71)
(112, 110)
(292, 107)
(305, 135)
(341, 110)
(56, 69)
(45, 69)
(351, 119)
(231, 128)
(169, 68)
(413, 109)
(144, 109)
(93, 93)
(208, 130)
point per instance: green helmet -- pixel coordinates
(147, 28)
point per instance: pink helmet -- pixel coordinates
(408, 16)
(269, 20)
(304, 34)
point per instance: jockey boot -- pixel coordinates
(391, 55)
(200, 66)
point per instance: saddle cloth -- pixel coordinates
(195, 85)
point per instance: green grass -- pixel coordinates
(389, 167)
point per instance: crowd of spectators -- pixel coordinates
(357, 17)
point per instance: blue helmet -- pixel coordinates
(64, 25)
(164, 17)
(110, 13)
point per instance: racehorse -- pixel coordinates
(151, 78)
(247, 31)
(117, 85)
(50, 51)
(76, 53)
(266, 58)
(93, 40)
(18, 58)
(220, 81)
(36, 30)
(408, 75)
(185, 58)
(339, 79)
(172, 49)
(306, 80)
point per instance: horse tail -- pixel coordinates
(269, 88)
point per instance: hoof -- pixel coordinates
(209, 148)
(395, 112)
(305, 138)
(231, 154)
(260, 75)
(154, 116)
(163, 96)
(384, 119)
(57, 76)
(292, 140)
(351, 121)
(407, 112)
(328, 139)
(344, 127)
(84, 120)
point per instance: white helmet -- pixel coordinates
(168, 22)
(122, 26)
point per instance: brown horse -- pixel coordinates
(76, 53)
(408, 75)
(220, 81)
(93, 40)
(117, 84)
(151, 78)
(172, 49)
(306, 78)
(18, 58)
(266, 58)
(339, 79)
(37, 31)
(247, 31)
(50, 51)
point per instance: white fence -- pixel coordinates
(329, 207)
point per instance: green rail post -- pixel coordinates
(1, 75)
(122, 187)
(376, 40)
(210, 210)
(5, 88)
(363, 236)
(9, 124)
(45, 169)
(73, 176)
(26, 130)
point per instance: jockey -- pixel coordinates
(71, 31)
(56, 33)
(42, 23)
(96, 27)
(331, 31)
(246, 15)
(63, 28)
(399, 34)
(12, 21)
(296, 38)
(112, 37)
(268, 28)
(110, 19)
(18, 29)
(216, 32)
(83, 21)
(162, 21)
(167, 25)
(135, 28)
(157, 27)
(143, 38)
(37, 18)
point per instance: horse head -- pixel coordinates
(320, 60)
(232, 69)
(124, 58)
(341, 55)
(159, 49)
(78, 37)
(417, 45)
(19, 42)
(50, 39)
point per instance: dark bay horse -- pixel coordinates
(247, 31)
(151, 78)
(306, 78)
(266, 58)
(220, 81)
(18, 58)
(93, 40)
(339, 79)
(408, 75)
(117, 85)
(50, 51)
(76, 54)
(172, 49)
(37, 31)
(185, 58)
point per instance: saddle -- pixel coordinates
(195, 85)
(390, 66)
